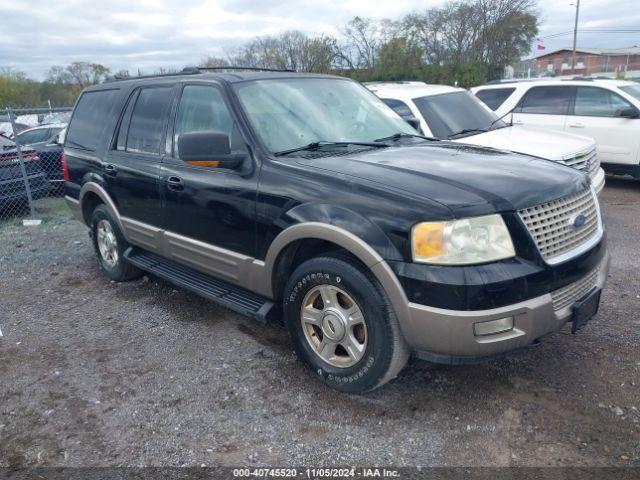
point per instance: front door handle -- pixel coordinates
(576, 125)
(175, 183)
(110, 170)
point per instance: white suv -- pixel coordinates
(606, 110)
(455, 114)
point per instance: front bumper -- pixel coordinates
(598, 180)
(447, 336)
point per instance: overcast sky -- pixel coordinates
(148, 34)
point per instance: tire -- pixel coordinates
(113, 264)
(371, 352)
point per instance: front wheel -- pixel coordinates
(342, 324)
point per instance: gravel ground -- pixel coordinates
(95, 373)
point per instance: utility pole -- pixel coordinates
(575, 36)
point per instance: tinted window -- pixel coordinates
(598, 102)
(398, 106)
(202, 108)
(494, 97)
(148, 120)
(547, 100)
(33, 136)
(53, 133)
(89, 118)
(448, 114)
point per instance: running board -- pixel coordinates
(230, 296)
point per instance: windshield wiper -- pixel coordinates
(322, 143)
(399, 135)
(468, 130)
(501, 117)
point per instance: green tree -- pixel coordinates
(398, 59)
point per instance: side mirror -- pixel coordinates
(628, 112)
(413, 121)
(208, 149)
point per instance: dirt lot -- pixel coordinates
(103, 374)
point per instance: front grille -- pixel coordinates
(586, 162)
(551, 224)
(565, 296)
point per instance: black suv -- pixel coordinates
(304, 197)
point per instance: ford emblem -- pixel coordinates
(579, 220)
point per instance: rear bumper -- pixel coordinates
(447, 336)
(598, 180)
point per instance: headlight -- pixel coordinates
(462, 242)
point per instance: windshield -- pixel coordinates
(633, 90)
(449, 114)
(293, 112)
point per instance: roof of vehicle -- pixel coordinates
(410, 89)
(231, 75)
(45, 125)
(604, 82)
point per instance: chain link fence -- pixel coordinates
(31, 143)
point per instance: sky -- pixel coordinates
(149, 34)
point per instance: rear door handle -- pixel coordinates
(175, 183)
(576, 125)
(110, 169)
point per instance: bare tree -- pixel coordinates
(363, 36)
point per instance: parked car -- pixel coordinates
(606, 110)
(451, 113)
(47, 141)
(40, 134)
(13, 191)
(6, 128)
(304, 197)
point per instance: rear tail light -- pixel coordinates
(25, 156)
(65, 169)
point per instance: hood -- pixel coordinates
(469, 180)
(532, 141)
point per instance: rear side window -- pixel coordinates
(398, 106)
(494, 97)
(33, 136)
(148, 120)
(550, 100)
(89, 119)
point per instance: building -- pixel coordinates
(590, 61)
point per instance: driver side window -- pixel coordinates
(202, 108)
(598, 102)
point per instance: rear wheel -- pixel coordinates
(342, 324)
(110, 245)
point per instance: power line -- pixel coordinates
(590, 30)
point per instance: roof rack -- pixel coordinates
(579, 78)
(193, 71)
(232, 67)
(184, 71)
